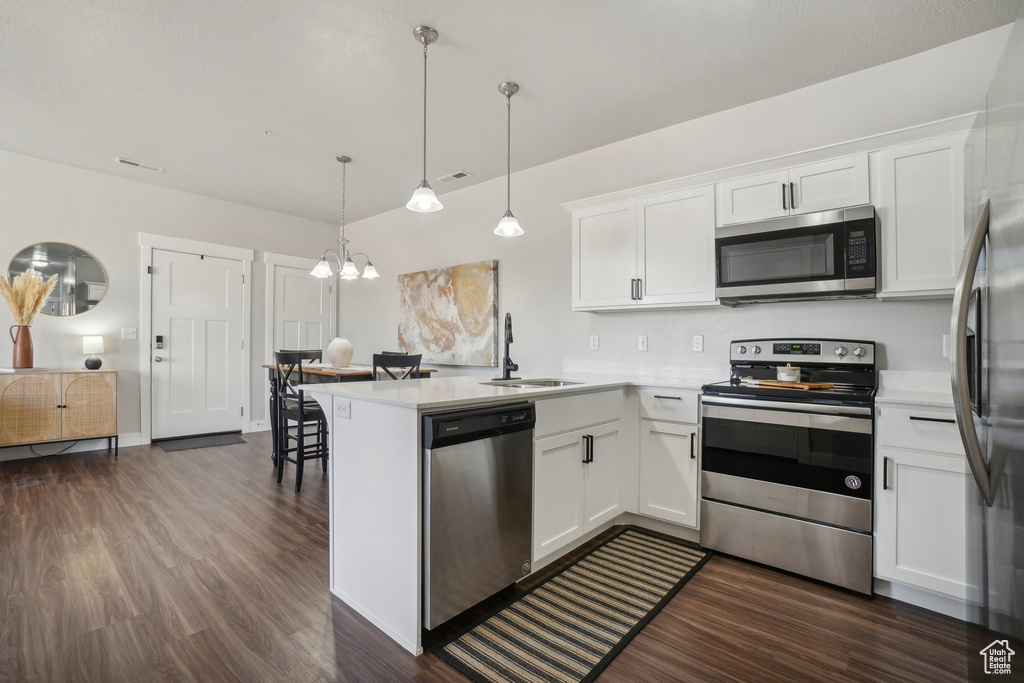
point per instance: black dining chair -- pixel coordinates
(293, 406)
(386, 364)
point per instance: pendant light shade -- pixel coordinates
(349, 270)
(508, 226)
(423, 199)
(322, 268)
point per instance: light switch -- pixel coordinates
(129, 333)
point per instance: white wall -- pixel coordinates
(534, 272)
(44, 201)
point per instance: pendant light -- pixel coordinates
(347, 269)
(423, 199)
(508, 226)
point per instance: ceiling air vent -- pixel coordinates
(452, 177)
(137, 164)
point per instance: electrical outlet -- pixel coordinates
(698, 343)
(595, 342)
(129, 333)
(641, 344)
(343, 409)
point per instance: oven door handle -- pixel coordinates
(789, 406)
(791, 418)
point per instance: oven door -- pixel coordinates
(798, 262)
(826, 449)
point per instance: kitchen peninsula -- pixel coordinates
(377, 475)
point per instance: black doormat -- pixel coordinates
(190, 443)
(573, 624)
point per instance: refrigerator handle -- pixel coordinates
(958, 356)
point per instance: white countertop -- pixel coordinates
(900, 387)
(462, 391)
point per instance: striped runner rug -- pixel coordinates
(573, 624)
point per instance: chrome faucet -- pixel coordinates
(507, 366)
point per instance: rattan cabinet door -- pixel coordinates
(90, 404)
(29, 410)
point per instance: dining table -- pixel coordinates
(320, 373)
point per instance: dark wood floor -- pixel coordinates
(198, 566)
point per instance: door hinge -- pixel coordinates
(149, 269)
(243, 278)
(243, 410)
(243, 343)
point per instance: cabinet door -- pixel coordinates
(604, 256)
(90, 404)
(920, 520)
(669, 470)
(921, 208)
(675, 246)
(557, 492)
(28, 408)
(831, 184)
(604, 475)
(753, 199)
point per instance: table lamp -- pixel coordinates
(92, 346)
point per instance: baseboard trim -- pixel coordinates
(660, 525)
(921, 597)
(370, 617)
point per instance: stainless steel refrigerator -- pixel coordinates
(988, 360)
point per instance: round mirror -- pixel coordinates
(81, 279)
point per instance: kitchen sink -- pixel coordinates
(530, 383)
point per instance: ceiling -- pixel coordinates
(188, 85)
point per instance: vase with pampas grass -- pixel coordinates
(25, 297)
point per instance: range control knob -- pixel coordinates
(840, 351)
(742, 350)
(757, 350)
(859, 352)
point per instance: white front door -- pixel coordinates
(302, 309)
(197, 375)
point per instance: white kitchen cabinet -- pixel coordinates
(675, 247)
(921, 209)
(604, 498)
(822, 186)
(558, 494)
(669, 470)
(921, 480)
(572, 497)
(604, 256)
(656, 251)
(754, 198)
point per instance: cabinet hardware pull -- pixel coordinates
(632, 289)
(784, 207)
(792, 197)
(933, 419)
(588, 449)
(885, 474)
(639, 289)
(669, 398)
(693, 437)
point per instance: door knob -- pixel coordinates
(158, 359)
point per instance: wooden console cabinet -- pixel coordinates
(58, 405)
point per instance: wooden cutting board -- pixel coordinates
(775, 384)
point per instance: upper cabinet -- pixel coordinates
(921, 208)
(821, 186)
(657, 252)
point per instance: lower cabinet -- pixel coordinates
(669, 471)
(920, 521)
(572, 496)
(921, 483)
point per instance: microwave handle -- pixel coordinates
(958, 357)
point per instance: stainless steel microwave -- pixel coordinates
(825, 255)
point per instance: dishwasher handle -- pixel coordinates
(462, 426)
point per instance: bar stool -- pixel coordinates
(294, 406)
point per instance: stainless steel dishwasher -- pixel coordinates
(478, 505)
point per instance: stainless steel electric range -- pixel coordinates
(786, 474)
